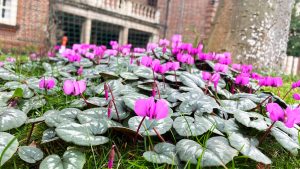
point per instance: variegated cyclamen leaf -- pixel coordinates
(147, 128)
(72, 159)
(286, 141)
(188, 126)
(242, 104)
(217, 153)
(30, 154)
(87, 134)
(164, 153)
(252, 119)
(54, 117)
(11, 118)
(243, 144)
(9, 144)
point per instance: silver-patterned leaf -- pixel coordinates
(11, 118)
(30, 154)
(164, 153)
(72, 159)
(243, 144)
(10, 143)
(162, 126)
(83, 134)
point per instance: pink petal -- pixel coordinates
(162, 109)
(76, 88)
(275, 111)
(141, 107)
(82, 86)
(42, 84)
(296, 96)
(50, 84)
(68, 87)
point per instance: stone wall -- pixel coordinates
(255, 31)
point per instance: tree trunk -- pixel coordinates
(254, 31)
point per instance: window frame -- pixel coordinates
(12, 20)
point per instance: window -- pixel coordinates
(8, 12)
(152, 3)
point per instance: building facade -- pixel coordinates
(38, 23)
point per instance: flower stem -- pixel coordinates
(138, 129)
(113, 100)
(159, 136)
(155, 84)
(175, 78)
(287, 93)
(266, 133)
(263, 101)
(30, 133)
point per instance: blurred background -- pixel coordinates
(264, 33)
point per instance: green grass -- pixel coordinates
(130, 153)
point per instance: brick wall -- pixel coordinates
(187, 17)
(31, 29)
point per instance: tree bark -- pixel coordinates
(254, 31)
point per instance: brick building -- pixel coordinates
(36, 23)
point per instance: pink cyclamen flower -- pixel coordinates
(276, 82)
(164, 42)
(46, 83)
(247, 68)
(237, 67)
(1, 64)
(146, 61)
(154, 110)
(73, 87)
(111, 52)
(215, 79)
(11, 59)
(242, 79)
(139, 50)
(256, 76)
(163, 68)
(111, 158)
(114, 45)
(51, 54)
(295, 84)
(296, 96)
(220, 67)
(155, 65)
(225, 58)
(151, 46)
(275, 111)
(173, 65)
(80, 70)
(206, 76)
(292, 117)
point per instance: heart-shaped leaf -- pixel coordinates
(217, 153)
(83, 134)
(30, 154)
(147, 128)
(164, 153)
(54, 117)
(251, 119)
(243, 144)
(8, 146)
(188, 126)
(242, 104)
(129, 76)
(286, 141)
(72, 159)
(49, 135)
(11, 118)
